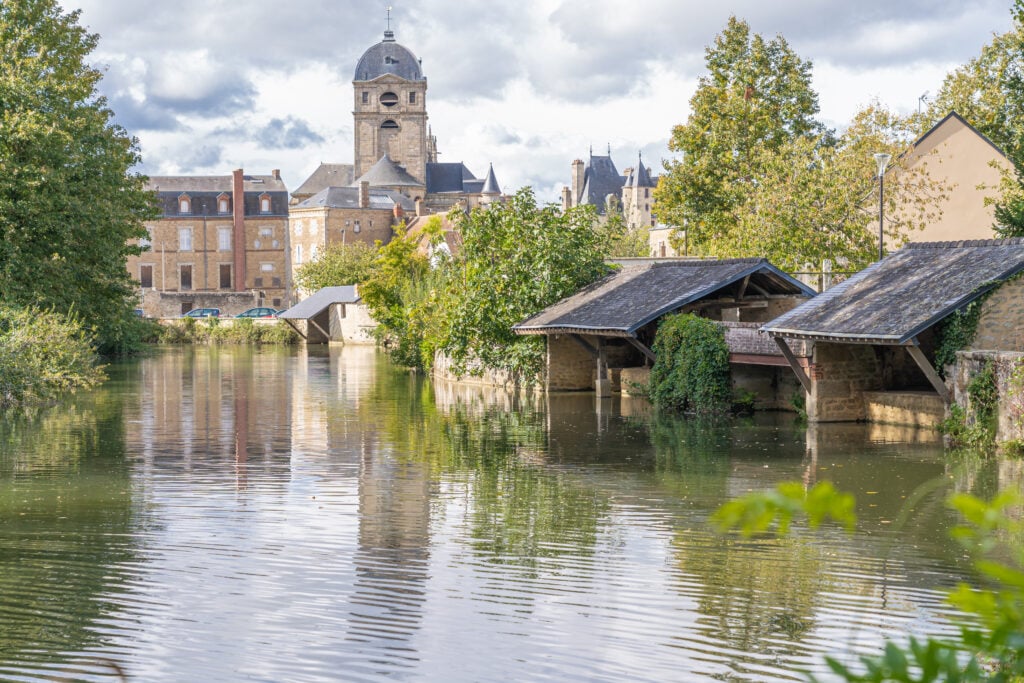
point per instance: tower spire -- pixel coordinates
(389, 35)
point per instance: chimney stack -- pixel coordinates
(578, 172)
(364, 194)
(421, 208)
(276, 173)
(238, 232)
(399, 212)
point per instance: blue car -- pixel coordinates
(203, 313)
(261, 312)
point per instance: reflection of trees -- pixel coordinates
(519, 510)
(65, 518)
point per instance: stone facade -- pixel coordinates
(571, 367)
(1001, 324)
(398, 130)
(840, 374)
(1010, 409)
(157, 304)
(217, 237)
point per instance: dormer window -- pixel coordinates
(184, 204)
(390, 60)
(264, 203)
(223, 203)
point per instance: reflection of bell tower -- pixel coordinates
(391, 109)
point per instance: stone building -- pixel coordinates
(343, 215)
(868, 345)
(602, 336)
(599, 184)
(220, 241)
(395, 157)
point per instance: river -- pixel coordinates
(319, 515)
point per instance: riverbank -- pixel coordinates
(226, 331)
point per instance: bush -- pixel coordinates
(691, 372)
(241, 331)
(43, 354)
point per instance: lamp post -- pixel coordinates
(882, 159)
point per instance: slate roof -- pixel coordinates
(447, 176)
(905, 293)
(640, 176)
(600, 179)
(491, 183)
(388, 57)
(204, 191)
(326, 175)
(348, 198)
(623, 302)
(388, 173)
(314, 305)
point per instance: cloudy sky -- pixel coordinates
(212, 85)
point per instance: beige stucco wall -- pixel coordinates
(962, 158)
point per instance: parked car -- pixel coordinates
(261, 312)
(203, 313)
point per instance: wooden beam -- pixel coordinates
(642, 348)
(292, 325)
(322, 331)
(794, 363)
(743, 287)
(926, 367)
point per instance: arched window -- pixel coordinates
(184, 204)
(390, 125)
(264, 203)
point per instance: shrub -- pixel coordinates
(691, 372)
(241, 331)
(43, 354)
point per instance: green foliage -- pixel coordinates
(69, 205)
(691, 372)
(758, 175)
(975, 429)
(516, 259)
(43, 354)
(622, 241)
(956, 333)
(990, 646)
(240, 331)
(399, 295)
(339, 264)
(758, 512)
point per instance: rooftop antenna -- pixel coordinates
(922, 98)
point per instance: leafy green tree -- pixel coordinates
(755, 99)
(339, 264)
(516, 259)
(622, 240)
(69, 203)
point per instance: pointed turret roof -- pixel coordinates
(640, 177)
(491, 183)
(387, 173)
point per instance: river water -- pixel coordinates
(294, 515)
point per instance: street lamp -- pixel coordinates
(882, 159)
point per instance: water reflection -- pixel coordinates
(316, 514)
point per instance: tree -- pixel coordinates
(755, 99)
(339, 264)
(517, 258)
(69, 203)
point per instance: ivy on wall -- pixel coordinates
(691, 372)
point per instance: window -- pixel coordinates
(275, 282)
(185, 278)
(147, 241)
(389, 99)
(356, 227)
(298, 228)
(185, 239)
(647, 192)
(412, 97)
(277, 303)
(313, 226)
(184, 204)
(390, 125)
(366, 97)
(258, 282)
(146, 276)
(264, 203)
(224, 239)
(257, 244)
(225, 276)
(267, 267)
(298, 253)
(266, 232)
(223, 203)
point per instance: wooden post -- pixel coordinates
(793, 363)
(926, 367)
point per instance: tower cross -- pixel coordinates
(389, 17)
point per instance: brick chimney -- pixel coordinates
(399, 212)
(578, 172)
(238, 234)
(276, 173)
(566, 200)
(364, 194)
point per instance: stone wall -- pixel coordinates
(352, 324)
(773, 386)
(488, 378)
(1001, 325)
(570, 367)
(840, 375)
(1011, 398)
(156, 304)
